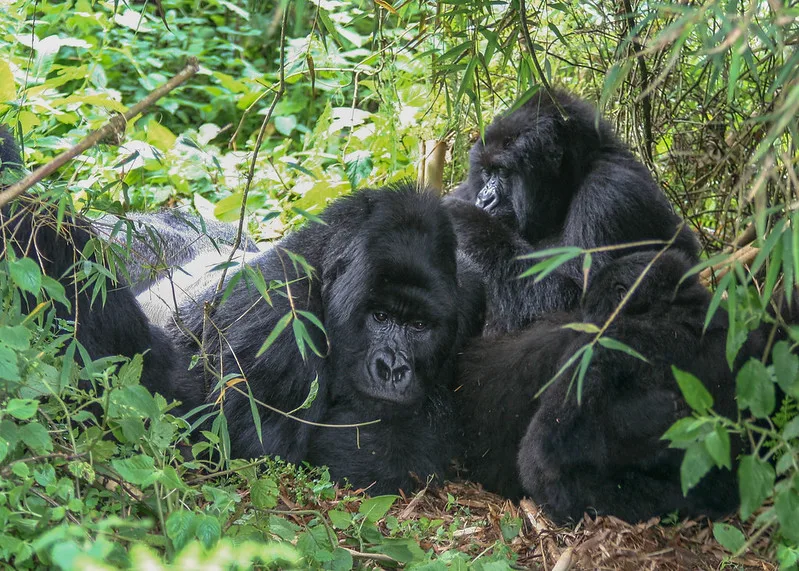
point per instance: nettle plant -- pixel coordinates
(767, 394)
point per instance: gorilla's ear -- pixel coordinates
(343, 280)
(332, 272)
(619, 291)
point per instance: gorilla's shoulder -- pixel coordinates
(401, 199)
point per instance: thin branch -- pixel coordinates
(115, 124)
(531, 49)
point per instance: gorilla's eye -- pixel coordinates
(419, 325)
(380, 316)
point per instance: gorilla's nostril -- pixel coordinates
(400, 374)
(383, 370)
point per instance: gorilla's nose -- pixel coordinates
(488, 198)
(389, 368)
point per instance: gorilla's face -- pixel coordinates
(659, 286)
(515, 172)
(407, 327)
(391, 309)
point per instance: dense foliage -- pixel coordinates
(338, 95)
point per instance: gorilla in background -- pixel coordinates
(116, 326)
(542, 180)
(385, 287)
(605, 454)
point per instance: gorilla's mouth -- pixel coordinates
(399, 389)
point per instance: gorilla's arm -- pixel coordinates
(605, 454)
(109, 325)
(495, 250)
(231, 334)
(618, 203)
(495, 396)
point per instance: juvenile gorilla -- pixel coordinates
(385, 289)
(541, 179)
(115, 326)
(604, 454)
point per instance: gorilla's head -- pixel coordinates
(663, 287)
(530, 161)
(390, 295)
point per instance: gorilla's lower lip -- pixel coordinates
(389, 394)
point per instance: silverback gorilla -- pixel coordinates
(605, 454)
(385, 288)
(541, 179)
(161, 241)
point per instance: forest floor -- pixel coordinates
(604, 543)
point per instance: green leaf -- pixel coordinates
(717, 444)
(582, 327)
(256, 414)
(21, 470)
(359, 167)
(9, 368)
(339, 518)
(731, 538)
(273, 335)
(208, 530)
(180, 528)
(545, 267)
(614, 345)
(695, 464)
(130, 372)
(284, 529)
(695, 393)
(138, 470)
(786, 368)
(312, 393)
(402, 549)
(686, 431)
(786, 504)
(376, 508)
(36, 437)
(582, 369)
(285, 124)
(23, 409)
(133, 401)
(510, 527)
(26, 275)
(614, 78)
(16, 337)
(55, 290)
(791, 430)
(756, 482)
(264, 493)
(755, 389)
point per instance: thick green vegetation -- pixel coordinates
(337, 95)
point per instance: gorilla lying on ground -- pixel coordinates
(384, 285)
(542, 180)
(605, 454)
(114, 326)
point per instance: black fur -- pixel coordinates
(386, 289)
(605, 454)
(114, 327)
(541, 180)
